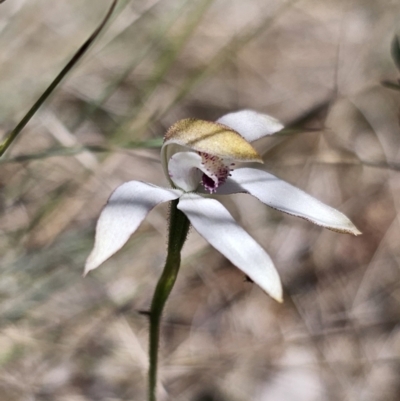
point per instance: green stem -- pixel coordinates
(178, 229)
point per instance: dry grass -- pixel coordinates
(313, 64)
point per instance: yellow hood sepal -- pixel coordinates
(212, 138)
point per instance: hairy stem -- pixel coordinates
(178, 229)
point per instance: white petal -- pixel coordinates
(285, 197)
(250, 124)
(125, 210)
(183, 170)
(218, 227)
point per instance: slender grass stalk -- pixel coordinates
(75, 58)
(76, 150)
(178, 229)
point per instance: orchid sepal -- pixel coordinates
(213, 222)
(126, 208)
(286, 198)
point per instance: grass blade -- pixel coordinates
(75, 58)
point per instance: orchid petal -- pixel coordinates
(184, 170)
(218, 227)
(125, 210)
(285, 197)
(250, 124)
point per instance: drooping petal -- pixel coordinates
(187, 169)
(184, 170)
(250, 124)
(218, 227)
(125, 210)
(285, 197)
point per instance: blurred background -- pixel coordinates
(318, 67)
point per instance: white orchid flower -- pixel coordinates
(199, 157)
